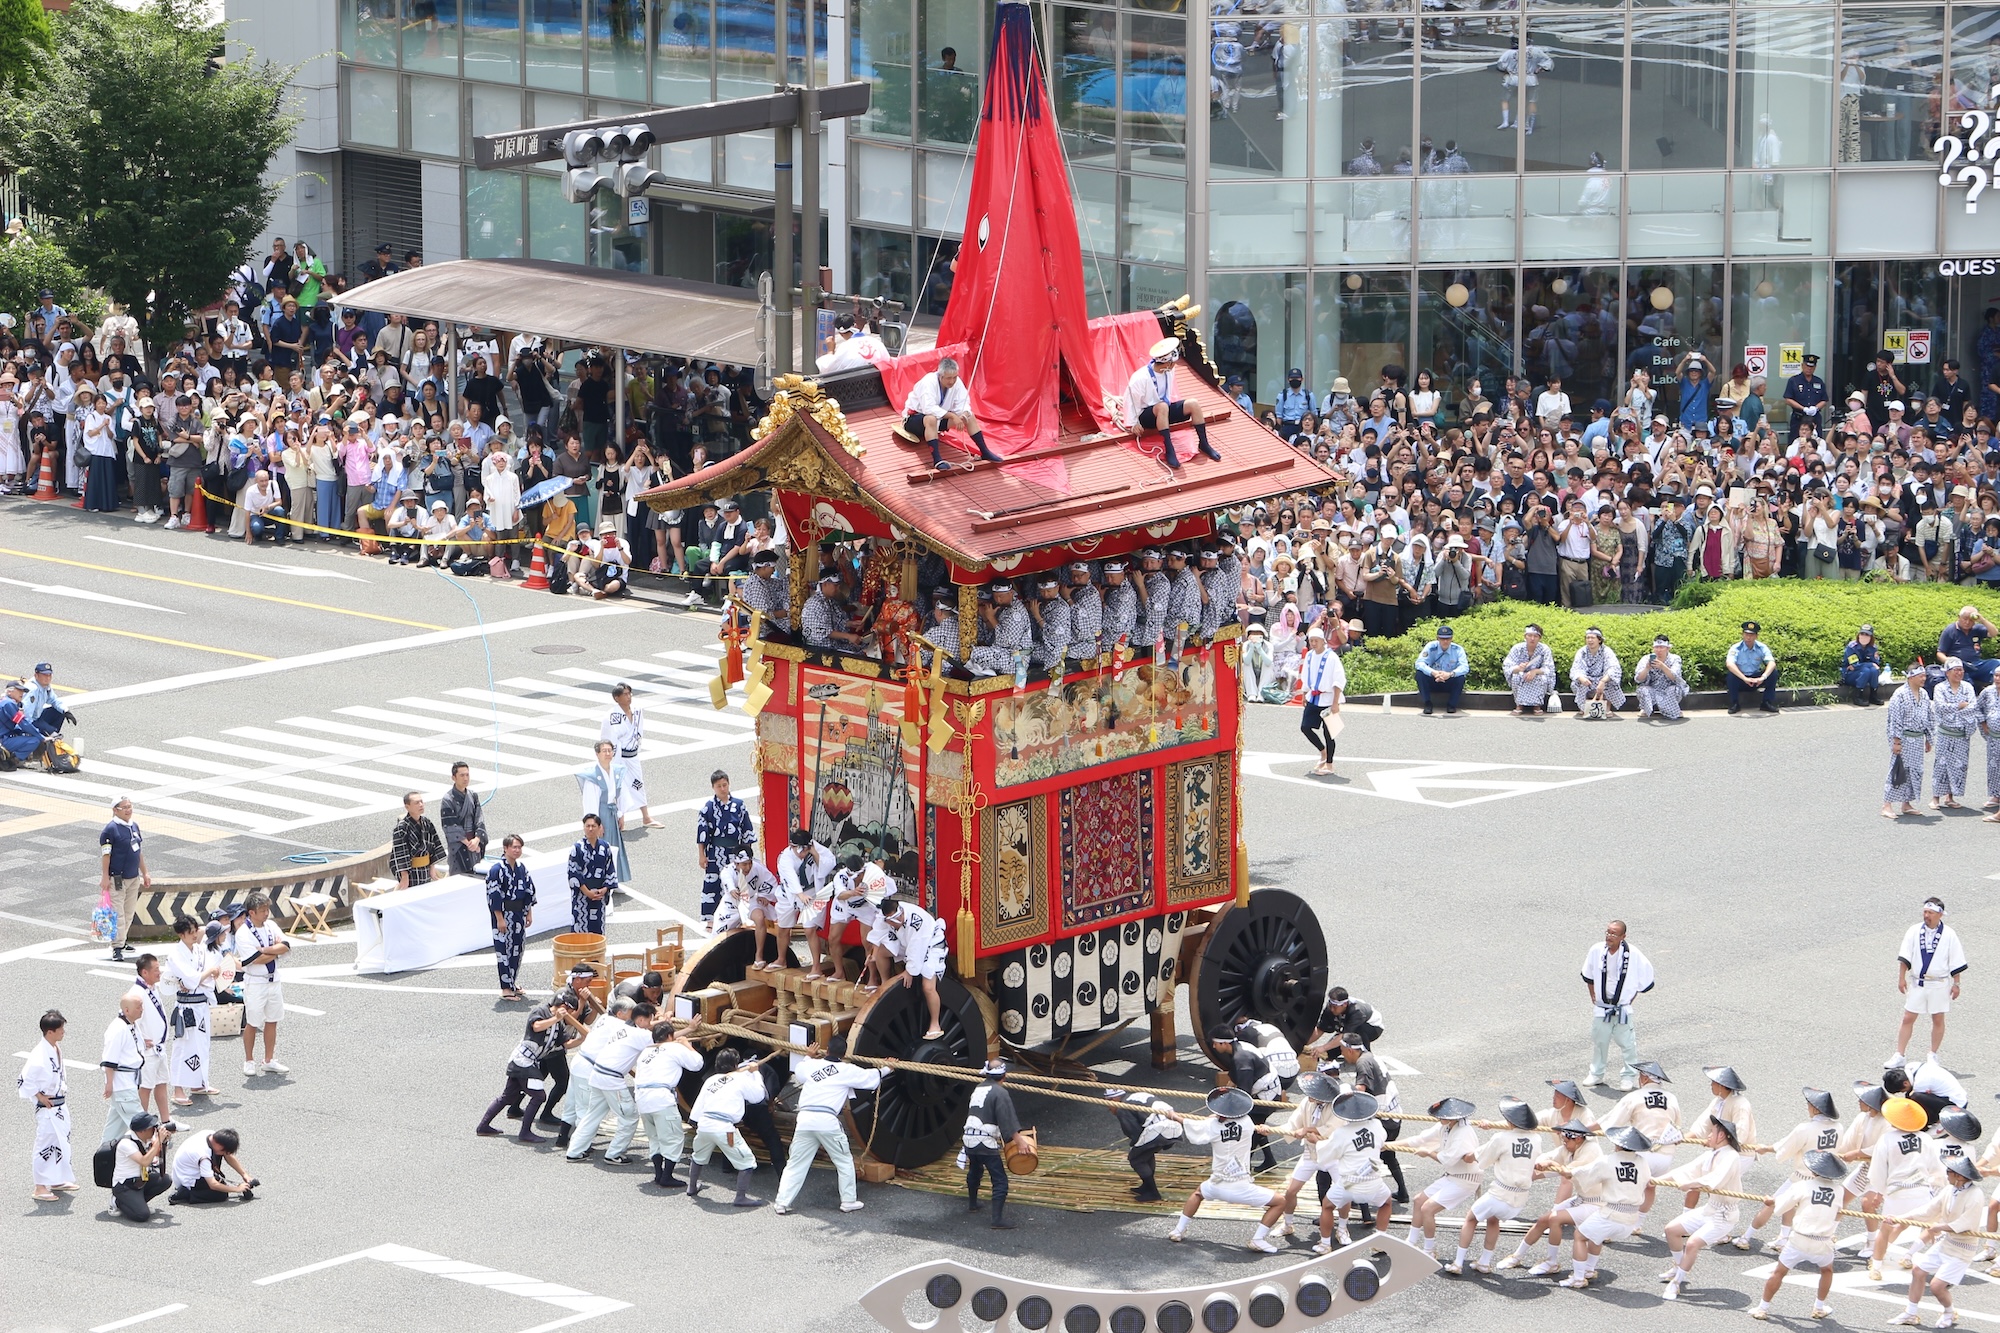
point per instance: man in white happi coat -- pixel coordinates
(1614, 975)
(625, 728)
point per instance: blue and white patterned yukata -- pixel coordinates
(1588, 665)
(1662, 689)
(1989, 727)
(1957, 708)
(1912, 720)
(592, 865)
(720, 828)
(1013, 633)
(510, 893)
(1530, 693)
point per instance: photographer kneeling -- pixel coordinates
(197, 1171)
(136, 1175)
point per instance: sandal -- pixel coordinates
(1891, 814)
(934, 1034)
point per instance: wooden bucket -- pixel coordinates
(571, 949)
(1024, 1154)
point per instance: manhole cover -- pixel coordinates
(556, 649)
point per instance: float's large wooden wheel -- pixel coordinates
(1266, 961)
(914, 1119)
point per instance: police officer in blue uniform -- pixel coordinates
(1293, 403)
(1805, 394)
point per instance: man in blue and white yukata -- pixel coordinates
(721, 827)
(1530, 670)
(1660, 681)
(1957, 709)
(510, 897)
(593, 877)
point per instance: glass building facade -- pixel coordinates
(1576, 188)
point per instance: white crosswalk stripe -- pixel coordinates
(358, 759)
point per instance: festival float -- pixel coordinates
(1080, 834)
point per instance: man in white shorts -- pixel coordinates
(155, 1030)
(1576, 1147)
(913, 937)
(1857, 1148)
(753, 892)
(1813, 1204)
(1929, 968)
(1454, 1145)
(1510, 1156)
(1358, 1173)
(1228, 1130)
(858, 886)
(1904, 1171)
(1313, 1125)
(1710, 1221)
(1955, 1210)
(805, 871)
(259, 945)
(1613, 1191)
(1818, 1132)
(1655, 1113)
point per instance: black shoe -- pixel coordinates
(1734, 709)
(1767, 708)
(562, 1135)
(1145, 1195)
(620, 1160)
(583, 1156)
(513, 1113)
(973, 1206)
(1429, 711)
(694, 1179)
(1003, 1225)
(488, 1132)
(1451, 712)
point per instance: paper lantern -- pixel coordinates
(1904, 1114)
(1663, 298)
(1457, 294)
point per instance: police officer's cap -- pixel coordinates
(1518, 1113)
(1355, 1106)
(1567, 1088)
(1627, 1138)
(1825, 1165)
(1820, 1100)
(1319, 1087)
(1871, 1096)
(1961, 1124)
(1230, 1103)
(1727, 1077)
(1651, 1069)
(1963, 1168)
(1452, 1108)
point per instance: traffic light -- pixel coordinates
(621, 151)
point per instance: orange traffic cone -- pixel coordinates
(45, 488)
(197, 511)
(538, 572)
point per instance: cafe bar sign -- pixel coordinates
(1966, 159)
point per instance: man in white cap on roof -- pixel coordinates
(1150, 404)
(1929, 967)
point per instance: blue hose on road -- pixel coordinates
(486, 646)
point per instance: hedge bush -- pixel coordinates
(1806, 623)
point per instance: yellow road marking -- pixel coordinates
(134, 634)
(213, 587)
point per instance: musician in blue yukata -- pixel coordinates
(723, 825)
(510, 897)
(593, 877)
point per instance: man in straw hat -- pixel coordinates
(1710, 1221)
(1813, 1203)
(1510, 1156)
(1818, 1132)
(1228, 1131)
(1454, 1145)
(1615, 1190)
(1955, 1208)
(1358, 1173)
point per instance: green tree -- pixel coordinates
(146, 152)
(26, 39)
(29, 266)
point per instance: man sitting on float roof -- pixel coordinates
(939, 402)
(1151, 405)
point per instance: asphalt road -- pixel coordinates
(1461, 868)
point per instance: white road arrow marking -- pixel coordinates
(1408, 780)
(83, 595)
(263, 566)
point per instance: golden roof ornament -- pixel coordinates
(796, 394)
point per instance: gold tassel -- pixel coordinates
(1242, 874)
(967, 943)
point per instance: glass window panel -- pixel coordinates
(1569, 327)
(1781, 213)
(1673, 215)
(1097, 213)
(1149, 288)
(1969, 233)
(555, 45)
(1888, 212)
(1258, 330)
(495, 110)
(1256, 90)
(1361, 96)
(492, 214)
(937, 259)
(742, 249)
(747, 160)
(368, 30)
(1360, 323)
(617, 242)
(618, 48)
(492, 39)
(1465, 327)
(1363, 221)
(1570, 217)
(1154, 92)
(746, 55)
(882, 184)
(1671, 309)
(555, 109)
(1890, 63)
(681, 74)
(1257, 222)
(945, 177)
(1466, 96)
(1465, 217)
(1680, 90)
(434, 117)
(881, 262)
(948, 74)
(1774, 304)
(1086, 84)
(881, 54)
(430, 36)
(555, 226)
(1156, 221)
(372, 105)
(1916, 296)
(1784, 88)
(1574, 111)
(1975, 57)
